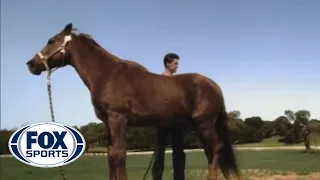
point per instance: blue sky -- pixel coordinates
(264, 54)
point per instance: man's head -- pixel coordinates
(170, 62)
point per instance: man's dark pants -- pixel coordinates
(178, 155)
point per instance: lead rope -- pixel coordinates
(62, 172)
(147, 171)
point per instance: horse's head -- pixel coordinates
(54, 54)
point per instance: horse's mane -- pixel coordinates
(88, 38)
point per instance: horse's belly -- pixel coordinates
(156, 117)
(154, 121)
(156, 111)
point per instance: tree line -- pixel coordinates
(292, 127)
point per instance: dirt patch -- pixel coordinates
(313, 176)
(256, 174)
(262, 174)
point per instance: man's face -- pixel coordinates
(173, 66)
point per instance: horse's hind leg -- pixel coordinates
(211, 144)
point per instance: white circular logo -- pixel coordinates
(46, 144)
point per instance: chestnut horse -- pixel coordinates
(125, 93)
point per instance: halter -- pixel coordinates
(61, 49)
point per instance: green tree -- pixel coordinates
(238, 131)
(290, 115)
(282, 126)
(300, 127)
(95, 135)
(234, 115)
(267, 130)
(255, 122)
(4, 138)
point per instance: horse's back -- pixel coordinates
(199, 79)
(187, 84)
(151, 92)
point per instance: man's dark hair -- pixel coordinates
(168, 58)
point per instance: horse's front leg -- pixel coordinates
(117, 146)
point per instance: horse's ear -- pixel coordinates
(67, 29)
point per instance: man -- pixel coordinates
(162, 135)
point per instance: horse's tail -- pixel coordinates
(227, 160)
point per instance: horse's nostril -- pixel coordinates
(29, 63)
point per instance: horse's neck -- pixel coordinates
(91, 64)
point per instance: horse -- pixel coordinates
(124, 93)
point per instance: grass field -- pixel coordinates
(252, 163)
(273, 142)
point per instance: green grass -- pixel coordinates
(273, 142)
(269, 142)
(96, 168)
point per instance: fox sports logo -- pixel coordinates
(46, 144)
